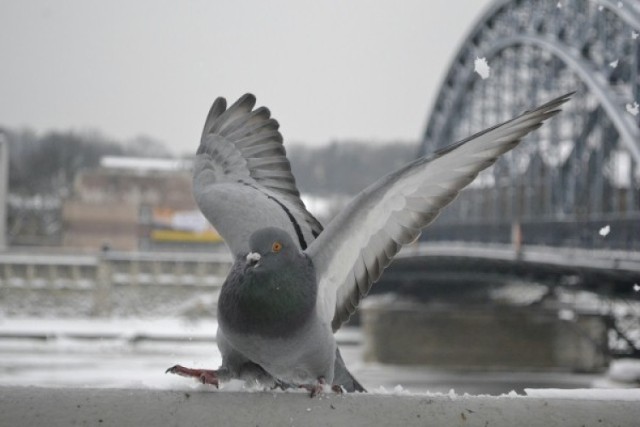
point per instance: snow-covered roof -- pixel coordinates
(145, 164)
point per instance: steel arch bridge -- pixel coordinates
(576, 181)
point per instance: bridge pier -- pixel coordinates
(402, 331)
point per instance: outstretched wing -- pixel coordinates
(242, 180)
(361, 241)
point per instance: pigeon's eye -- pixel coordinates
(276, 247)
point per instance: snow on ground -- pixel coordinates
(625, 371)
(135, 352)
(114, 352)
(122, 327)
(624, 394)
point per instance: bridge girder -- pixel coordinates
(584, 166)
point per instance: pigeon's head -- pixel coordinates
(271, 246)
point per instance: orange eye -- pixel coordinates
(276, 247)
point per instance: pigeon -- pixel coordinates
(293, 284)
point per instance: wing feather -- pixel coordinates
(242, 178)
(363, 239)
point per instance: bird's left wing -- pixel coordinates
(361, 241)
(242, 180)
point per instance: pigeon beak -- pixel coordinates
(253, 258)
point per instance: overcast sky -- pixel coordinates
(328, 70)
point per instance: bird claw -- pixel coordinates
(204, 376)
(337, 389)
(281, 385)
(318, 388)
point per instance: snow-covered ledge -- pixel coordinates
(35, 406)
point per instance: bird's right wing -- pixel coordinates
(242, 180)
(361, 241)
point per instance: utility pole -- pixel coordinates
(4, 189)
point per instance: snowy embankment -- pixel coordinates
(35, 406)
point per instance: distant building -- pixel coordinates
(130, 204)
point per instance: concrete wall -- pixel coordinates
(32, 406)
(110, 283)
(481, 336)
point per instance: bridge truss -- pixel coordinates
(576, 181)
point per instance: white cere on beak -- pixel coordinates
(253, 258)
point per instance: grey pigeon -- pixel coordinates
(293, 285)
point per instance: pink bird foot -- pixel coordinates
(205, 376)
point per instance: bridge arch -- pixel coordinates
(580, 172)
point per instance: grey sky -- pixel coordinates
(364, 69)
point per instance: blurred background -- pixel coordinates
(531, 278)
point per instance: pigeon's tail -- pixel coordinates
(342, 376)
(351, 384)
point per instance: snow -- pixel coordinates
(398, 390)
(634, 35)
(567, 315)
(604, 231)
(590, 302)
(614, 64)
(633, 108)
(625, 371)
(382, 390)
(482, 67)
(519, 294)
(624, 394)
(135, 352)
(123, 328)
(602, 394)
(145, 164)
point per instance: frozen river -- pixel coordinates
(135, 353)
